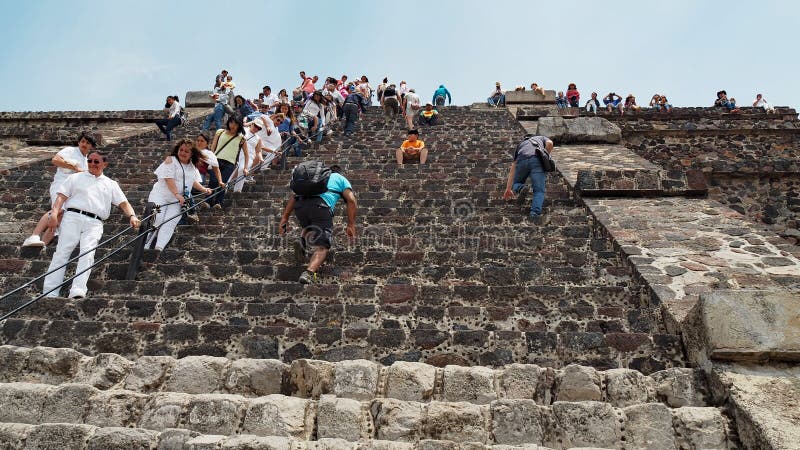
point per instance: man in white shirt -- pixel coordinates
(68, 160)
(270, 100)
(86, 198)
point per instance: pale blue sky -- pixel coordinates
(67, 55)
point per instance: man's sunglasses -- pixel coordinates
(95, 161)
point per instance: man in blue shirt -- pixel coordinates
(440, 94)
(315, 215)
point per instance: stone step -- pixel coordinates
(640, 351)
(563, 424)
(580, 316)
(354, 379)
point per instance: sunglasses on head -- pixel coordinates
(95, 161)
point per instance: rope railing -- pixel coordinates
(144, 230)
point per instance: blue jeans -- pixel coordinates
(225, 169)
(439, 101)
(166, 125)
(350, 117)
(531, 168)
(216, 116)
(591, 107)
(497, 100)
(561, 103)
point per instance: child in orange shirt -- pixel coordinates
(412, 149)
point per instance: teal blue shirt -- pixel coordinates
(336, 185)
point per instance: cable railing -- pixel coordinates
(145, 229)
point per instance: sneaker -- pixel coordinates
(193, 218)
(299, 252)
(76, 293)
(308, 277)
(535, 218)
(204, 205)
(522, 194)
(33, 241)
(217, 206)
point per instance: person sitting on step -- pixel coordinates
(561, 100)
(761, 102)
(173, 119)
(613, 101)
(429, 116)
(593, 104)
(630, 103)
(537, 89)
(412, 149)
(573, 96)
(497, 97)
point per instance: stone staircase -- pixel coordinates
(449, 323)
(203, 401)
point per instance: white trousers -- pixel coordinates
(76, 229)
(167, 227)
(268, 157)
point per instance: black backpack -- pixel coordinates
(310, 178)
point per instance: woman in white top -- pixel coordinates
(175, 180)
(315, 114)
(252, 139)
(173, 119)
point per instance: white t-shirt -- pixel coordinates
(71, 155)
(184, 176)
(273, 140)
(412, 100)
(762, 103)
(92, 194)
(403, 89)
(175, 109)
(252, 141)
(271, 101)
(210, 157)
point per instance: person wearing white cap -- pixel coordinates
(68, 160)
(86, 198)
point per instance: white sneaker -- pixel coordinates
(33, 241)
(76, 293)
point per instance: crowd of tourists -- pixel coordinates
(254, 135)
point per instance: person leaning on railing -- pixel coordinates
(86, 198)
(177, 176)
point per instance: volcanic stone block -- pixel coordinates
(469, 384)
(115, 408)
(746, 325)
(341, 418)
(311, 378)
(67, 403)
(649, 426)
(531, 97)
(410, 381)
(148, 373)
(60, 436)
(397, 420)
(57, 364)
(356, 379)
(164, 410)
(122, 439)
(22, 402)
(196, 375)
(579, 383)
(527, 381)
(587, 424)
(195, 99)
(255, 376)
(104, 370)
(678, 387)
(278, 415)
(459, 421)
(700, 427)
(13, 435)
(214, 413)
(518, 421)
(625, 387)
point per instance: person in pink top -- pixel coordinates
(308, 85)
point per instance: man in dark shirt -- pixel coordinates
(353, 106)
